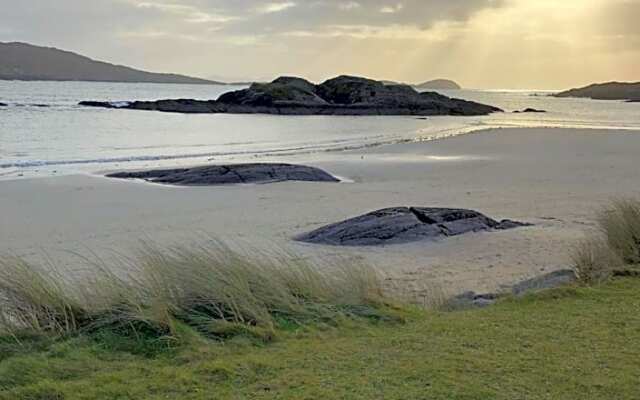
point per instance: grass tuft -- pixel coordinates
(170, 295)
(36, 299)
(616, 245)
(620, 223)
(594, 260)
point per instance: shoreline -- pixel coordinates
(554, 178)
(246, 156)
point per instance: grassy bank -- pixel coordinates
(210, 323)
(562, 344)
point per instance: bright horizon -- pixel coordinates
(483, 44)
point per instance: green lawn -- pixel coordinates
(566, 343)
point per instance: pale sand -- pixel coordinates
(554, 178)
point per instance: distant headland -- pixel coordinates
(629, 91)
(26, 62)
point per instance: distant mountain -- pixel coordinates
(606, 91)
(442, 84)
(22, 61)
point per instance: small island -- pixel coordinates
(343, 95)
(629, 91)
(438, 84)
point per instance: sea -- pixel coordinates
(44, 132)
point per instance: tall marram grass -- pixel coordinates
(616, 245)
(213, 290)
(620, 223)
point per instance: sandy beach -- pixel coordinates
(553, 178)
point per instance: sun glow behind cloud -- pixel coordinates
(481, 43)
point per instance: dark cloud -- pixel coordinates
(73, 23)
(151, 33)
(69, 21)
(264, 17)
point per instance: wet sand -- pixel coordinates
(553, 178)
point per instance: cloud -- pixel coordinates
(349, 5)
(275, 7)
(39, 20)
(392, 9)
(479, 42)
(318, 14)
(186, 13)
(132, 31)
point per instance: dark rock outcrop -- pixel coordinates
(4, 105)
(404, 225)
(627, 272)
(184, 106)
(471, 299)
(547, 281)
(35, 105)
(438, 84)
(230, 174)
(344, 95)
(606, 91)
(529, 110)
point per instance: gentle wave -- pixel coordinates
(35, 105)
(166, 157)
(337, 145)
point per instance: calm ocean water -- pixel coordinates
(43, 132)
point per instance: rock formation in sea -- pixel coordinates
(529, 110)
(344, 95)
(3, 105)
(230, 174)
(606, 91)
(403, 225)
(438, 84)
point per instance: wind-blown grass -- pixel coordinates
(594, 260)
(36, 299)
(620, 223)
(616, 245)
(162, 293)
(562, 344)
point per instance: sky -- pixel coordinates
(508, 44)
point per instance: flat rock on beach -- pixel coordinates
(230, 174)
(404, 225)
